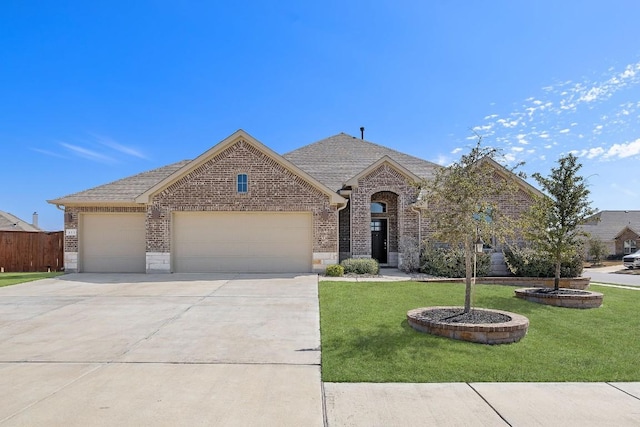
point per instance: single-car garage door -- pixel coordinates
(245, 242)
(112, 243)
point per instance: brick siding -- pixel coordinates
(384, 184)
(212, 187)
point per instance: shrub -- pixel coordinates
(526, 262)
(409, 254)
(360, 266)
(335, 270)
(449, 262)
(597, 250)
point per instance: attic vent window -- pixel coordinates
(242, 183)
(378, 207)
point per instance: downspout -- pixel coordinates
(338, 229)
(419, 212)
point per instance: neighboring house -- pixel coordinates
(241, 207)
(618, 230)
(9, 222)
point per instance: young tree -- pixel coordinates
(464, 203)
(551, 224)
(597, 250)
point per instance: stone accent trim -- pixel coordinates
(71, 262)
(158, 262)
(322, 259)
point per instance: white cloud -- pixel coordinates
(594, 152)
(592, 94)
(456, 150)
(49, 153)
(482, 128)
(517, 149)
(565, 131)
(622, 151)
(130, 151)
(87, 154)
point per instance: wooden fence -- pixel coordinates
(31, 251)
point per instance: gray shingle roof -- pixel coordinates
(126, 189)
(334, 160)
(10, 222)
(611, 223)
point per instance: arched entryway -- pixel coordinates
(384, 227)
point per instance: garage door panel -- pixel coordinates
(242, 242)
(113, 243)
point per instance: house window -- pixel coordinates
(629, 246)
(378, 207)
(243, 183)
(376, 226)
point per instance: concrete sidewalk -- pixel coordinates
(483, 404)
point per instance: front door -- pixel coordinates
(379, 240)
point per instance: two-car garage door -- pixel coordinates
(245, 242)
(257, 242)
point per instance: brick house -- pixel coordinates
(618, 230)
(241, 207)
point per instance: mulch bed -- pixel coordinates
(452, 315)
(561, 291)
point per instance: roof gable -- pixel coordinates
(10, 222)
(625, 229)
(353, 182)
(234, 138)
(337, 159)
(505, 173)
(607, 225)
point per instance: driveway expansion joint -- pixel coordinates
(624, 391)
(490, 405)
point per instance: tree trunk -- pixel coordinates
(468, 263)
(556, 280)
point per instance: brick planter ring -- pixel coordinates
(485, 333)
(579, 299)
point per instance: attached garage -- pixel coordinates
(247, 242)
(112, 243)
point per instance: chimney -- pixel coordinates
(35, 220)
(361, 132)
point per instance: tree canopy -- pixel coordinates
(465, 202)
(552, 223)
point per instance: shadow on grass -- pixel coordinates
(392, 343)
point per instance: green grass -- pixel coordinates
(366, 338)
(7, 279)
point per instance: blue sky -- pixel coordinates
(92, 92)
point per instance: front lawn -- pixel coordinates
(7, 279)
(366, 338)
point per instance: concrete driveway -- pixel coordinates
(87, 349)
